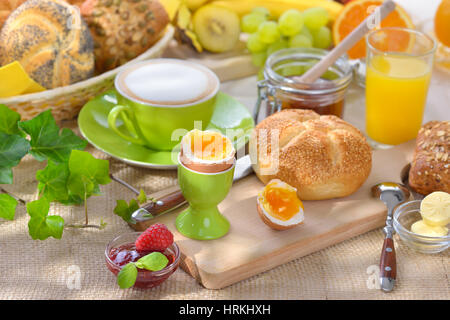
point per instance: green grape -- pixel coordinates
(259, 58)
(290, 22)
(315, 17)
(277, 45)
(262, 11)
(251, 22)
(254, 45)
(307, 33)
(300, 41)
(268, 32)
(322, 38)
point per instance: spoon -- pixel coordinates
(391, 194)
(320, 67)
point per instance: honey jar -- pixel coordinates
(281, 87)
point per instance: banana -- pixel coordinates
(277, 7)
(171, 7)
(195, 4)
(184, 29)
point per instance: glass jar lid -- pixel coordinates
(283, 68)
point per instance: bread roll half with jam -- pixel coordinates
(51, 41)
(323, 157)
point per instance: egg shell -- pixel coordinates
(205, 167)
(270, 223)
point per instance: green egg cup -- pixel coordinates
(202, 220)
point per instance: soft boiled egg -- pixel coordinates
(279, 206)
(207, 151)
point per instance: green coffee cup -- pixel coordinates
(160, 96)
(202, 220)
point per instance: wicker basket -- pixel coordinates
(66, 102)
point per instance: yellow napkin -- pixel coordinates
(15, 81)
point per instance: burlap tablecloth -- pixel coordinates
(49, 269)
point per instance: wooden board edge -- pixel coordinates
(294, 251)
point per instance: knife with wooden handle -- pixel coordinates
(172, 198)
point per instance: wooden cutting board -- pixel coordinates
(230, 65)
(251, 247)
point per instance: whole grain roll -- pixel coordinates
(322, 156)
(123, 29)
(430, 167)
(51, 41)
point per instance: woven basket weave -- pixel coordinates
(66, 102)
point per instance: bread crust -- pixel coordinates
(430, 167)
(123, 30)
(322, 156)
(40, 36)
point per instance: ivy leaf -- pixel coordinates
(86, 173)
(12, 149)
(154, 261)
(53, 181)
(125, 210)
(41, 225)
(46, 140)
(6, 175)
(127, 276)
(53, 184)
(7, 206)
(72, 200)
(9, 120)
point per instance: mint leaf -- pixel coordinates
(9, 120)
(142, 198)
(12, 149)
(154, 261)
(86, 173)
(46, 140)
(127, 276)
(53, 181)
(125, 210)
(41, 225)
(7, 206)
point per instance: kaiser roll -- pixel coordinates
(50, 40)
(322, 156)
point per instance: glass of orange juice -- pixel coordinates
(398, 71)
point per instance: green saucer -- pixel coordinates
(93, 124)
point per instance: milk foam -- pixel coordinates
(168, 83)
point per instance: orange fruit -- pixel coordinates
(354, 12)
(442, 23)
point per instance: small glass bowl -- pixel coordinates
(145, 279)
(404, 216)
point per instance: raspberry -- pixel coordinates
(156, 238)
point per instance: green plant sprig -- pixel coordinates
(125, 210)
(70, 177)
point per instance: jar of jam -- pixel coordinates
(282, 88)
